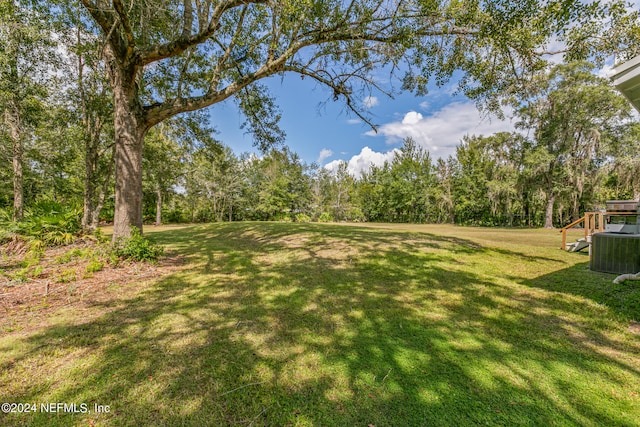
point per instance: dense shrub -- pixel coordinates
(48, 221)
(176, 215)
(282, 217)
(302, 218)
(325, 217)
(137, 248)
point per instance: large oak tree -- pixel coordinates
(572, 113)
(166, 57)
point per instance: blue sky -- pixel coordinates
(321, 130)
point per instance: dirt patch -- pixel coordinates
(60, 281)
(337, 251)
(634, 328)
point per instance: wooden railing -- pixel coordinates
(593, 222)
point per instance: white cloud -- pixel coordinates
(324, 154)
(411, 118)
(370, 101)
(442, 131)
(333, 165)
(361, 163)
(354, 121)
(424, 105)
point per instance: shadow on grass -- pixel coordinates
(622, 298)
(326, 325)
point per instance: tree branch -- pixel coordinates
(187, 17)
(158, 112)
(384, 31)
(110, 23)
(104, 20)
(338, 89)
(227, 52)
(126, 26)
(176, 47)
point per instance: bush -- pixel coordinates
(5, 215)
(72, 255)
(6, 235)
(137, 248)
(67, 275)
(175, 215)
(94, 266)
(303, 218)
(98, 234)
(47, 221)
(325, 217)
(354, 214)
(282, 217)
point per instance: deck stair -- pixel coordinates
(592, 223)
(578, 245)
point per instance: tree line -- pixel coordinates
(575, 147)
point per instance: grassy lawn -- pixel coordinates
(314, 324)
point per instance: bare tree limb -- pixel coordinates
(187, 18)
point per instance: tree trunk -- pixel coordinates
(215, 207)
(94, 191)
(158, 206)
(548, 215)
(89, 188)
(12, 115)
(95, 215)
(128, 201)
(13, 119)
(93, 203)
(18, 190)
(97, 209)
(129, 139)
(130, 128)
